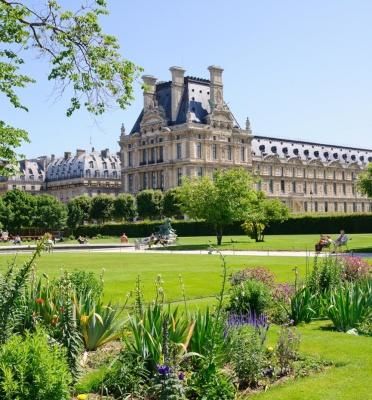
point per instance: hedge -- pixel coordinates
(298, 224)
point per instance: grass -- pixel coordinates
(358, 242)
(348, 380)
(200, 273)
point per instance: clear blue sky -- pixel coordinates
(298, 69)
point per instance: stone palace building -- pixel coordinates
(187, 129)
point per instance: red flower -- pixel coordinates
(39, 300)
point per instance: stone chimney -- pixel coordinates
(52, 157)
(176, 89)
(149, 92)
(79, 152)
(216, 91)
(105, 153)
(67, 155)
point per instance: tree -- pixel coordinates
(263, 212)
(221, 201)
(365, 181)
(150, 204)
(49, 212)
(78, 211)
(124, 207)
(82, 58)
(171, 203)
(102, 208)
(20, 207)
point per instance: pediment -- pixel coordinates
(295, 160)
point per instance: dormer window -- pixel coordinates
(90, 164)
(96, 174)
(104, 165)
(113, 165)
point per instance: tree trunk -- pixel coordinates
(219, 234)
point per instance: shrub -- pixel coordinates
(301, 308)
(325, 275)
(127, 376)
(259, 274)
(247, 357)
(32, 369)
(287, 349)
(150, 204)
(355, 268)
(249, 296)
(350, 305)
(281, 296)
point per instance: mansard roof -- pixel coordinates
(76, 166)
(310, 151)
(194, 106)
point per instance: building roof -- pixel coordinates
(306, 151)
(101, 164)
(194, 106)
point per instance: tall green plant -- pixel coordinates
(350, 305)
(12, 286)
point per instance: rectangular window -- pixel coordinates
(214, 151)
(144, 181)
(259, 186)
(198, 150)
(179, 176)
(152, 154)
(242, 153)
(315, 188)
(305, 206)
(305, 187)
(153, 180)
(326, 206)
(281, 171)
(200, 172)
(334, 188)
(271, 186)
(336, 207)
(325, 189)
(229, 153)
(282, 186)
(316, 206)
(179, 151)
(160, 154)
(344, 188)
(130, 159)
(161, 179)
(345, 206)
(294, 187)
(144, 156)
(354, 207)
(363, 207)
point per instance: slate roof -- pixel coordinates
(195, 99)
(307, 151)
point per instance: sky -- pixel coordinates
(298, 69)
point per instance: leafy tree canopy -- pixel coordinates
(150, 204)
(19, 210)
(365, 181)
(78, 211)
(82, 58)
(49, 212)
(124, 207)
(102, 208)
(221, 201)
(263, 212)
(171, 203)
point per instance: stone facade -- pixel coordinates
(68, 176)
(187, 129)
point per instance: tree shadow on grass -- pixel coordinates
(367, 249)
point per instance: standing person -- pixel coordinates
(123, 238)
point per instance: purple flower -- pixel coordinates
(163, 369)
(181, 376)
(251, 318)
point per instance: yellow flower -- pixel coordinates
(270, 349)
(82, 397)
(84, 319)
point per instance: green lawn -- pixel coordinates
(348, 380)
(200, 273)
(358, 242)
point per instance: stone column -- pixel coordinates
(216, 86)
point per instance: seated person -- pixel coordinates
(341, 240)
(123, 238)
(82, 240)
(17, 240)
(325, 241)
